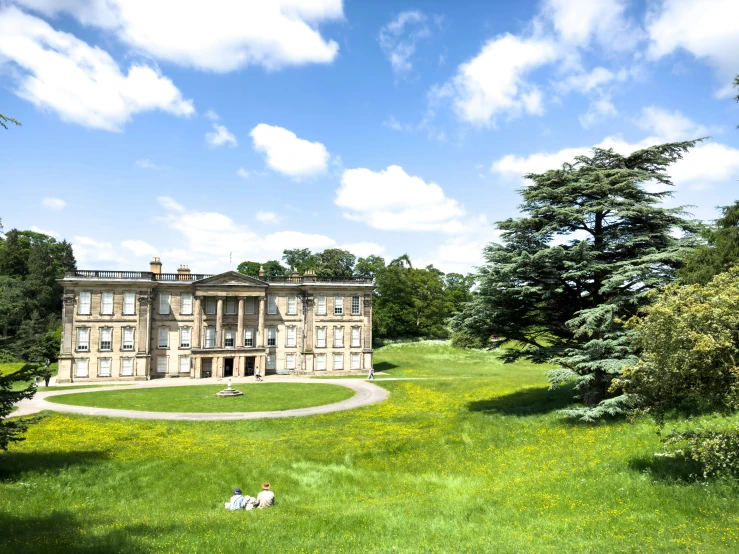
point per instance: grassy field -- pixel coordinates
(473, 460)
(260, 397)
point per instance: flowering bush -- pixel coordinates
(716, 451)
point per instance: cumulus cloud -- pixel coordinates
(708, 30)
(82, 84)
(212, 115)
(363, 249)
(222, 36)
(55, 204)
(287, 154)
(391, 199)
(139, 248)
(170, 204)
(399, 37)
(267, 217)
(220, 136)
(243, 173)
(599, 110)
(89, 251)
(52, 234)
(670, 126)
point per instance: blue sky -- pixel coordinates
(190, 133)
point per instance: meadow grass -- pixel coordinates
(476, 462)
(260, 397)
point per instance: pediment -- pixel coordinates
(231, 278)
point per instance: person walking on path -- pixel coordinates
(266, 498)
(47, 372)
(257, 375)
(371, 374)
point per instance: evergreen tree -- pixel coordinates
(4, 120)
(10, 431)
(592, 242)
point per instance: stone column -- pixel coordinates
(260, 332)
(67, 323)
(197, 328)
(308, 324)
(144, 324)
(367, 323)
(219, 323)
(240, 324)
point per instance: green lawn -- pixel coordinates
(262, 397)
(476, 462)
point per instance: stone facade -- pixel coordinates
(139, 325)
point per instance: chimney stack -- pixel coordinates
(155, 266)
(183, 273)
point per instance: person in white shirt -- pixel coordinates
(266, 498)
(239, 502)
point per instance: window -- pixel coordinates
(106, 338)
(83, 340)
(356, 337)
(230, 306)
(338, 361)
(355, 305)
(80, 368)
(186, 303)
(320, 362)
(272, 304)
(271, 336)
(338, 337)
(249, 305)
(163, 337)
(126, 367)
(290, 337)
(292, 305)
(106, 303)
(164, 303)
(229, 339)
(210, 337)
(185, 336)
(127, 338)
(270, 361)
(210, 306)
(162, 364)
(355, 360)
(129, 303)
(289, 361)
(184, 364)
(104, 367)
(321, 337)
(321, 306)
(85, 306)
(338, 305)
(249, 337)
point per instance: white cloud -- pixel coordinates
(220, 136)
(88, 250)
(463, 252)
(223, 36)
(56, 204)
(670, 126)
(578, 22)
(598, 111)
(288, 154)
(52, 234)
(170, 204)
(83, 84)
(212, 115)
(139, 248)
(493, 82)
(398, 39)
(708, 30)
(585, 82)
(363, 249)
(393, 200)
(267, 217)
(243, 173)
(148, 164)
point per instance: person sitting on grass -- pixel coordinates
(239, 502)
(266, 498)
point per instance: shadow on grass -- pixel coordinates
(384, 366)
(678, 469)
(526, 402)
(15, 464)
(59, 532)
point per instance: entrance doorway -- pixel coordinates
(250, 365)
(228, 367)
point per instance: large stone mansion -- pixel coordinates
(148, 324)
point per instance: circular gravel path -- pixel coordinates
(365, 394)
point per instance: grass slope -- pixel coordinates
(476, 462)
(262, 397)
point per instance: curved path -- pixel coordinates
(365, 394)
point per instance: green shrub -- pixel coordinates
(716, 451)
